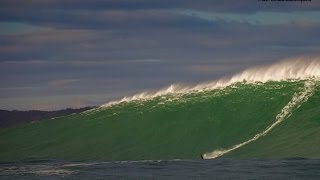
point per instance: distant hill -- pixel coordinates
(14, 117)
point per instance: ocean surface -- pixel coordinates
(173, 169)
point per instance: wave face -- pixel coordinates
(275, 115)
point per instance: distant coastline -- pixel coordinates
(15, 117)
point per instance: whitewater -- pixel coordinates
(301, 68)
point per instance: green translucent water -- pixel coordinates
(176, 126)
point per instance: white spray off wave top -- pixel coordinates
(289, 69)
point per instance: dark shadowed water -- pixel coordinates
(174, 169)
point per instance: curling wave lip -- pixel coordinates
(289, 69)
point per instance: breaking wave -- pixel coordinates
(289, 69)
(265, 111)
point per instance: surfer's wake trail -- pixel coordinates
(295, 102)
(268, 111)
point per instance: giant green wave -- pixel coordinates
(176, 126)
(239, 118)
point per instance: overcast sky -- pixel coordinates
(73, 53)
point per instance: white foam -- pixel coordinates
(295, 102)
(289, 69)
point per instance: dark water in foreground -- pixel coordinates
(175, 169)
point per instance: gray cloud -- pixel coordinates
(67, 54)
(244, 6)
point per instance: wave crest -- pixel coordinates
(301, 68)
